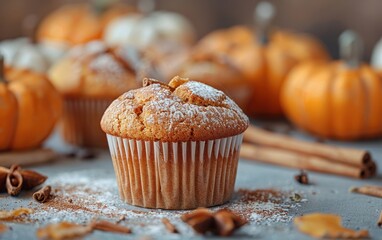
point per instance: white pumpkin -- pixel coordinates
(21, 53)
(376, 57)
(142, 30)
(53, 51)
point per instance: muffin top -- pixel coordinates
(96, 70)
(183, 111)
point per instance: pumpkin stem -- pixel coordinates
(100, 6)
(263, 16)
(146, 6)
(2, 70)
(351, 48)
(29, 27)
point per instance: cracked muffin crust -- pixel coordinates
(181, 111)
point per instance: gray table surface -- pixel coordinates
(327, 194)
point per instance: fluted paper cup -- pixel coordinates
(178, 175)
(80, 122)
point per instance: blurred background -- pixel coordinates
(325, 19)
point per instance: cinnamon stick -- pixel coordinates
(375, 191)
(14, 181)
(298, 160)
(43, 194)
(379, 223)
(262, 137)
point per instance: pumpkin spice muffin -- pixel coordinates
(175, 146)
(89, 77)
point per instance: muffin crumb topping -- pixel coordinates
(183, 110)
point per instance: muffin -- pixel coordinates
(218, 71)
(90, 77)
(174, 146)
(168, 56)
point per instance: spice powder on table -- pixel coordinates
(83, 199)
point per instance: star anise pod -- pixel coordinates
(226, 222)
(222, 223)
(3, 177)
(201, 220)
(15, 179)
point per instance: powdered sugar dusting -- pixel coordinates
(106, 64)
(131, 55)
(171, 111)
(204, 91)
(89, 49)
(82, 199)
(193, 110)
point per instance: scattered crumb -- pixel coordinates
(81, 199)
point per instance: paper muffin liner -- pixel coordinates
(80, 123)
(175, 175)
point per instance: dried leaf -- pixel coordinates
(3, 228)
(63, 230)
(110, 227)
(296, 197)
(8, 215)
(322, 225)
(222, 223)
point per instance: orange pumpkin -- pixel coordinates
(265, 58)
(79, 23)
(340, 99)
(29, 109)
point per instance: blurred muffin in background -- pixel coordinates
(218, 71)
(89, 77)
(223, 40)
(76, 23)
(165, 37)
(167, 56)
